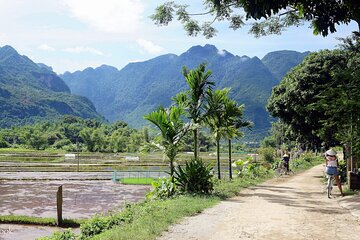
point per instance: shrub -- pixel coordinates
(195, 177)
(162, 188)
(93, 226)
(342, 171)
(3, 143)
(267, 154)
(65, 235)
(248, 169)
(61, 143)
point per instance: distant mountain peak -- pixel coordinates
(8, 48)
(42, 65)
(198, 49)
(7, 51)
(106, 67)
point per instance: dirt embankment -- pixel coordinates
(286, 208)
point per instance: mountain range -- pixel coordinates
(128, 94)
(31, 92)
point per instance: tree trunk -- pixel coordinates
(230, 170)
(218, 156)
(171, 167)
(195, 131)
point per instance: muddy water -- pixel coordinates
(26, 232)
(81, 199)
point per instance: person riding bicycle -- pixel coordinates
(331, 167)
(286, 160)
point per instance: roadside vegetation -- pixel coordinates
(171, 200)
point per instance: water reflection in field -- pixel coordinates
(81, 199)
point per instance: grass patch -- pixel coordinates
(152, 218)
(39, 221)
(137, 181)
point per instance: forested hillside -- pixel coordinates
(138, 88)
(30, 92)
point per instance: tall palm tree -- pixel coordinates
(193, 99)
(172, 129)
(215, 113)
(233, 122)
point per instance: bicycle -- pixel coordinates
(282, 170)
(330, 183)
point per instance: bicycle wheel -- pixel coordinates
(277, 172)
(329, 186)
(290, 172)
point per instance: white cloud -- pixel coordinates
(108, 15)
(221, 53)
(81, 49)
(149, 46)
(46, 47)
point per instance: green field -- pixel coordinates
(137, 181)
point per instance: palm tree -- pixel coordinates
(233, 122)
(172, 130)
(215, 113)
(193, 99)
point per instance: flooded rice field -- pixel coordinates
(84, 194)
(81, 199)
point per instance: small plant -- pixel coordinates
(162, 188)
(342, 171)
(65, 235)
(244, 168)
(240, 166)
(267, 154)
(93, 226)
(195, 177)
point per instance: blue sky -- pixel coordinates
(71, 35)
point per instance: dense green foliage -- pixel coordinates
(141, 87)
(194, 177)
(272, 16)
(30, 93)
(75, 134)
(163, 188)
(172, 129)
(319, 99)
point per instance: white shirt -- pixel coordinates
(331, 163)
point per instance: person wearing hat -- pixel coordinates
(286, 160)
(331, 167)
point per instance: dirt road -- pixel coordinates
(286, 208)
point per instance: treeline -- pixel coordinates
(317, 102)
(72, 133)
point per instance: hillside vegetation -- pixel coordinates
(30, 93)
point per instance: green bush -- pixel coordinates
(3, 143)
(342, 171)
(248, 169)
(162, 188)
(65, 235)
(267, 154)
(99, 224)
(194, 177)
(94, 226)
(61, 143)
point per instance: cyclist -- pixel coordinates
(286, 160)
(331, 167)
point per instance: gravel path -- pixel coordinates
(286, 208)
